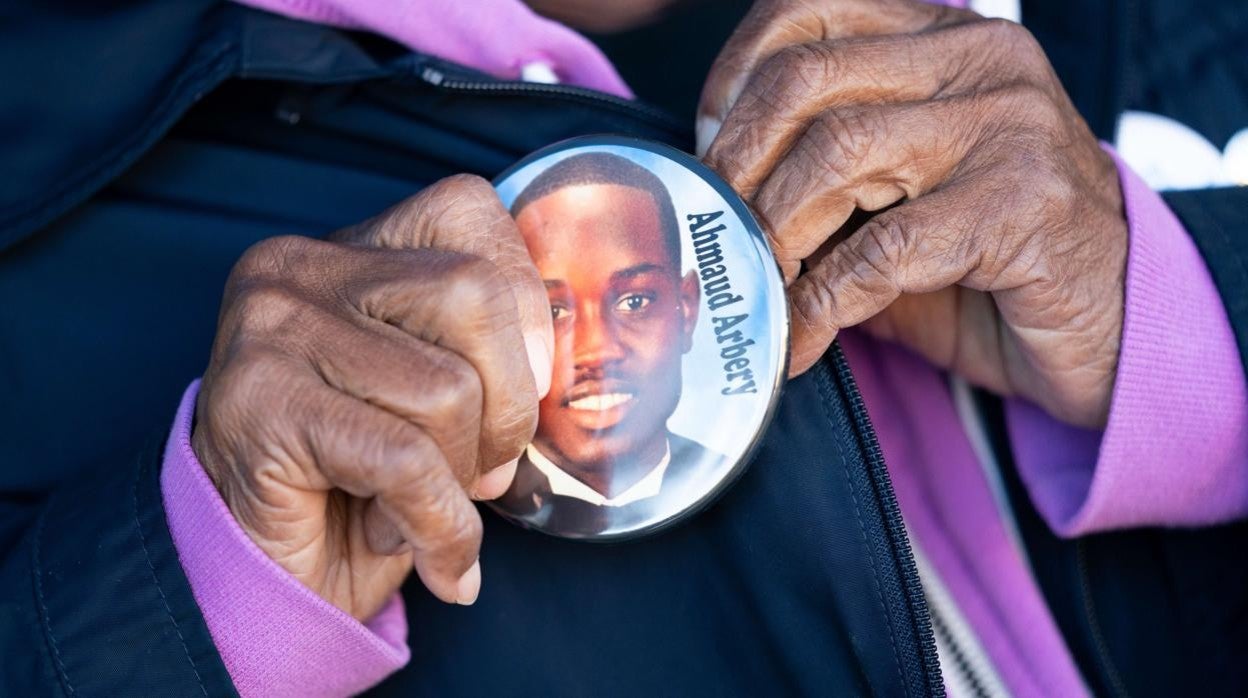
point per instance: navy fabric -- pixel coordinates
(1219, 216)
(1189, 63)
(109, 610)
(123, 208)
(1086, 44)
(1156, 612)
(1148, 612)
(88, 86)
(801, 581)
(764, 594)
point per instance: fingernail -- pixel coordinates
(469, 585)
(494, 484)
(706, 129)
(540, 361)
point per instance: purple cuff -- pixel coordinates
(1175, 449)
(275, 635)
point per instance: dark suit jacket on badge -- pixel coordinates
(692, 472)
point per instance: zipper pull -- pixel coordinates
(433, 76)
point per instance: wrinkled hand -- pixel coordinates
(1004, 261)
(361, 390)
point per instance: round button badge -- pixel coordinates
(671, 337)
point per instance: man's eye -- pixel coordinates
(632, 302)
(558, 312)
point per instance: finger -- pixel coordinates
(947, 328)
(427, 385)
(370, 453)
(451, 300)
(771, 26)
(864, 158)
(792, 87)
(919, 247)
(382, 533)
(496, 482)
(464, 305)
(464, 214)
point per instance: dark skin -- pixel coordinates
(623, 316)
(347, 417)
(362, 391)
(600, 16)
(1003, 255)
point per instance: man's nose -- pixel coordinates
(595, 342)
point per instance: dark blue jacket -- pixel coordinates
(145, 144)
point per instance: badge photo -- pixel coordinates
(671, 337)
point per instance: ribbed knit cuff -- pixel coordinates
(275, 635)
(1174, 450)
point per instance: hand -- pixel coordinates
(361, 390)
(1004, 260)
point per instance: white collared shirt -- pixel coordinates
(565, 485)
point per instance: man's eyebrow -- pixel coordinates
(637, 270)
(555, 284)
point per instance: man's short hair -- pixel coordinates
(606, 168)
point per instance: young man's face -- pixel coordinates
(622, 317)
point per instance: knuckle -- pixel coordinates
(812, 308)
(883, 248)
(232, 392)
(1033, 105)
(1027, 113)
(1017, 42)
(1001, 32)
(451, 388)
(1053, 192)
(237, 407)
(272, 255)
(350, 475)
(478, 293)
(386, 458)
(793, 75)
(261, 306)
(841, 141)
(457, 187)
(732, 162)
(251, 365)
(782, 246)
(449, 196)
(414, 222)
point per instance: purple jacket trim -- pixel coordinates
(275, 635)
(950, 513)
(496, 36)
(1175, 450)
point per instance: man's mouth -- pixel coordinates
(599, 403)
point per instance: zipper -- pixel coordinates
(442, 80)
(895, 528)
(1108, 668)
(964, 665)
(957, 669)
